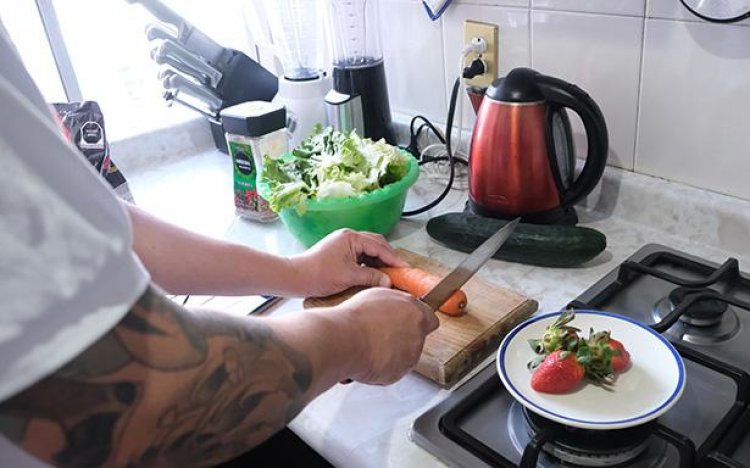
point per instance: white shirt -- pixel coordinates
(67, 270)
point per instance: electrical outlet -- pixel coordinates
(489, 32)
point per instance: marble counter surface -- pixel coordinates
(358, 425)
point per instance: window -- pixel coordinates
(21, 20)
(110, 54)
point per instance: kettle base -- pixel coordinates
(565, 216)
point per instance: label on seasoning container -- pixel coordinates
(246, 198)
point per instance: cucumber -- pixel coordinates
(548, 246)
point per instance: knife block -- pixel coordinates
(244, 80)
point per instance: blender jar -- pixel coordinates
(297, 36)
(358, 69)
(355, 33)
(299, 43)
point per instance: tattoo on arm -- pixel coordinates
(164, 387)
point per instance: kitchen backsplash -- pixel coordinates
(675, 90)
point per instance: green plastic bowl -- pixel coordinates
(377, 211)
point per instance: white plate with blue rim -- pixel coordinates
(647, 389)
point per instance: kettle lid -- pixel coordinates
(520, 85)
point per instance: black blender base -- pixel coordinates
(565, 216)
(367, 80)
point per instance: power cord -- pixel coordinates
(452, 175)
(445, 146)
(413, 147)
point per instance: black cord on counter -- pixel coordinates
(413, 147)
(476, 68)
(451, 163)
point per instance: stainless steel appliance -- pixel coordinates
(522, 161)
(701, 307)
(358, 69)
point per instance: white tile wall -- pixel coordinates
(512, 3)
(676, 97)
(513, 37)
(694, 105)
(614, 7)
(602, 55)
(413, 54)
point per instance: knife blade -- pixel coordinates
(471, 264)
(463, 272)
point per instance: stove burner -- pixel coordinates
(585, 447)
(702, 313)
(724, 327)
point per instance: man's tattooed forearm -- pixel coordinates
(230, 387)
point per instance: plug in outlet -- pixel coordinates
(488, 32)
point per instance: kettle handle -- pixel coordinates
(571, 96)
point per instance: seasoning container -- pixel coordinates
(253, 131)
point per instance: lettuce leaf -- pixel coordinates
(330, 164)
(289, 195)
(335, 189)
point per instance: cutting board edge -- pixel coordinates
(473, 354)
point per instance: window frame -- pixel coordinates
(64, 65)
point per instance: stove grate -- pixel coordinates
(629, 271)
(724, 446)
(450, 427)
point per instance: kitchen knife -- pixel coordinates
(175, 65)
(172, 96)
(174, 81)
(159, 30)
(463, 272)
(167, 49)
(187, 34)
(471, 264)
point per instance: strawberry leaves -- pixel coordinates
(558, 336)
(534, 363)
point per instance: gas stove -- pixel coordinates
(702, 308)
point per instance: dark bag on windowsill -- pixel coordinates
(83, 124)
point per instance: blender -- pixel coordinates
(359, 98)
(299, 45)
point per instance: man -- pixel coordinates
(98, 367)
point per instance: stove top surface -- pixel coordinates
(702, 308)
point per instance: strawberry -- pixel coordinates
(620, 356)
(560, 372)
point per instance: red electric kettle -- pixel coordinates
(522, 160)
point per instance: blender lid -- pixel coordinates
(520, 85)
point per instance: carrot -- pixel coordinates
(419, 282)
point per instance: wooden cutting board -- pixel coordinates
(460, 343)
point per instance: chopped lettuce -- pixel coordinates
(292, 194)
(329, 165)
(336, 189)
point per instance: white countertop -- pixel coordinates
(358, 425)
